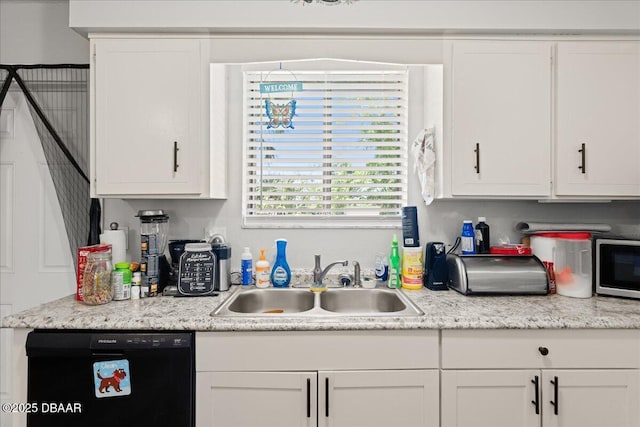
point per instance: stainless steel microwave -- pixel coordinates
(617, 267)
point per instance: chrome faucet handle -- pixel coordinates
(356, 275)
(317, 270)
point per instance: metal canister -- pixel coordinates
(223, 272)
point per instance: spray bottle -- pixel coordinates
(395, 280)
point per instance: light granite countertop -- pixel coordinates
(443, 310)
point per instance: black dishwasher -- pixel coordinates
(110, 378)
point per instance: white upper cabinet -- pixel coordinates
(500, 118)
(598, 119)
(542, 119)
(150, 107)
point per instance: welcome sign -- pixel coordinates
(275, 87)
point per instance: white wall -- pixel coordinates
(37, 32)
(54, 42)
(364, 15)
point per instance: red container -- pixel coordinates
(510, 250)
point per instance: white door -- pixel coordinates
(490, 398)
(591, 398)
(256, 399)
(378, 398)
(598, 119)
(148, 117)
(35, 260)
(501, 118)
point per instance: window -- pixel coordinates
(341, 160)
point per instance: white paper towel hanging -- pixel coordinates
(424, 163)
(118, 241)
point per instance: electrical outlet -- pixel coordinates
(211, 230)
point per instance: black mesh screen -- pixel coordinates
(58, 98)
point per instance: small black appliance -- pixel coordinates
(435, 275)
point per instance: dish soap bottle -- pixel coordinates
(394, 264)
(246, 267)
(262, 271)
(281, 273)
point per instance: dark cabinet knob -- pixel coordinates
(543, 350)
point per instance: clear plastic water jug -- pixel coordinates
(572, 261)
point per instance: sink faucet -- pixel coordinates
(319, 273)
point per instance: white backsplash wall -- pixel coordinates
(441, 221)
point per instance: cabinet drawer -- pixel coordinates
(525, 349)
(316, 350)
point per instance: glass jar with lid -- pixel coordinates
(97, 287)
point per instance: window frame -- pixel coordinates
(349, 221)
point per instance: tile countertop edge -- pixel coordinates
(444, 310)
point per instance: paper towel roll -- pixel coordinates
(118, 242)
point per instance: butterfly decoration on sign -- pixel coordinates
(280, 115)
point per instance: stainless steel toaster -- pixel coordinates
(497, 275)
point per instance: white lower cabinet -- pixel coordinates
(324, 398)
(319, 378)
(378, 398)
(235, 399)
(591, 398)
(449, 378)
(568, 378)
(488, 398)
(529, 398)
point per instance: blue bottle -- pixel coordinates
(281, 273)
(468, 243)
(246, 267)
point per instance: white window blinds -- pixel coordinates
(342, 156)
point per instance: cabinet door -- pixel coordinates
(490, 398)
(501, 119)
(265, 399)
(378, 398)
(147, 114)
(598, 119)
(591, 398)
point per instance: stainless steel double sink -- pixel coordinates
(301, 302)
